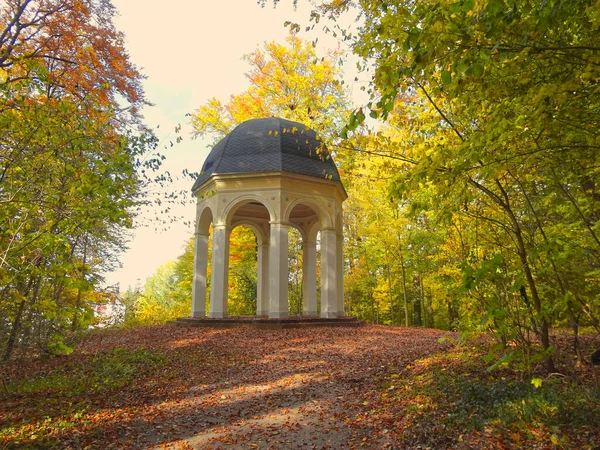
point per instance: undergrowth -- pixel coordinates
(469, 406)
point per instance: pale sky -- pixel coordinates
(191, 50)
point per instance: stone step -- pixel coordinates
(347, 323)
(264, 322)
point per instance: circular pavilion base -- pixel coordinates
(265, 322)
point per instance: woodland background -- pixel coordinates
(472, 172)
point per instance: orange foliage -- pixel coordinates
(72, 48)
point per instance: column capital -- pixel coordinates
(221, 226)
(281, 223)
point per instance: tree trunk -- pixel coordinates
(452, 315)
(544, 327)
(372, 306)
(391, 297)
(14, 332)
(418, 318)
(561, 283)
(425, 318)
(575, 326)
(406, 322)
(537, 303)
(75, 321)
(18, 321)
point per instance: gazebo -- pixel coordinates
(269, 175)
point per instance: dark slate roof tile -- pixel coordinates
(269, 145)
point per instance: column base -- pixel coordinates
(217, 315)
(198, 314)
(309, 313)
(330, 315)
(279, 315)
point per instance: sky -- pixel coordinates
(190, 51)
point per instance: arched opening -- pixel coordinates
(248, 258)
(243, 271)
(250, 210)
(205, 220)
(304, 213)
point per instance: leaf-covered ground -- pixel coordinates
(371, 387)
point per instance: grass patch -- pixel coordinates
(104, 371)
(60, 402)
(514, 403)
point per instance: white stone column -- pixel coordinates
(262, 282)
(329, 297)
(309, 277)
(339, 278)
(278, 271)
(199, 284)
(220, 271)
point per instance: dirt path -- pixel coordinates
(296, 389)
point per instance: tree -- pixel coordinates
(515, 88)
(158, 301)
(288, 81)
(74, 161)
(166, 293)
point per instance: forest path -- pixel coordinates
(305, 388)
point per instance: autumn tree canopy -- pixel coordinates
(513, 149)
(289, 81)
(72, 154)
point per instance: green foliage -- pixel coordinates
(74, 163)
(243, 259)
(103, 372)
(537, 382)
(57, 347)
(166, 294)
(295, 256)
(492, 114)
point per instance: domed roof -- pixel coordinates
(269, 145)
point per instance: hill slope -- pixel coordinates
(374, 387)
